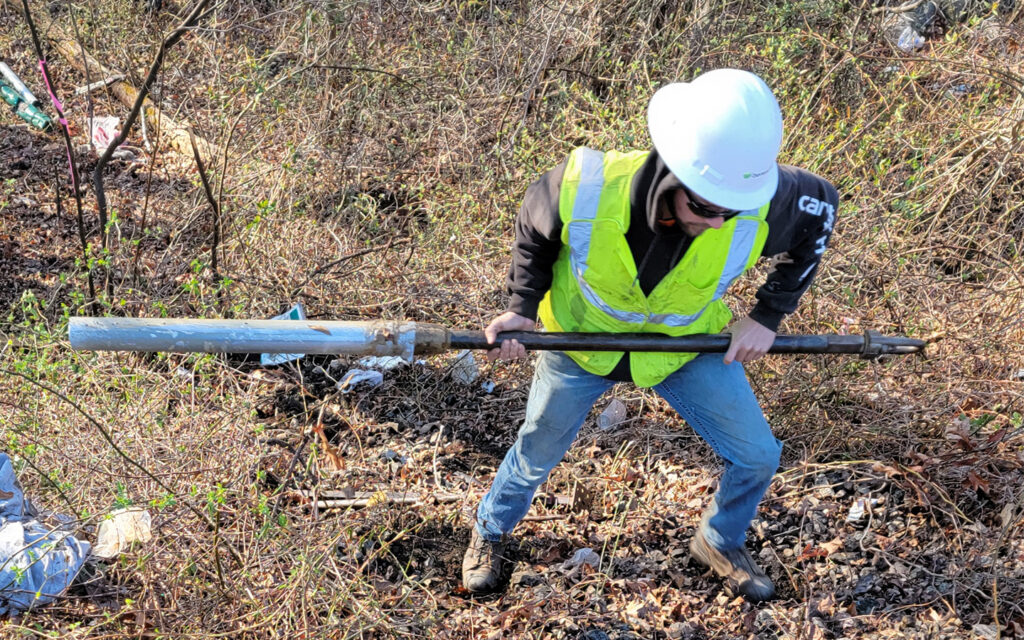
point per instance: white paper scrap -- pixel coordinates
(120, 530)
(104, 130)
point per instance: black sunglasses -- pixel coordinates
(705, 211)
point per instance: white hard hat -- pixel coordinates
(720, 135)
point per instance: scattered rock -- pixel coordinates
(865, 584)
(525, 577)
(391, 456)
(865, 606)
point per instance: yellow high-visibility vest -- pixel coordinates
(595, 286)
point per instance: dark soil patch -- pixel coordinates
(37, 243)
(39, 233)
(409, 405)
(432, 552)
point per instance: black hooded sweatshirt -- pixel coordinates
(800, 222)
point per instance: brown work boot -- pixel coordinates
(736, 566)
(481, 566)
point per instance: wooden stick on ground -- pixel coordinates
(354, 499)
(361, 499)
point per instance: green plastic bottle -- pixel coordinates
(24, 110)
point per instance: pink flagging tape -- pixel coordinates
(53, 96)
(63, 121)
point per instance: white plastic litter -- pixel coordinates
(613, 415)
(860, 508)
(487, 386)
(385, 363)
(104, 130)
(359, 376)
(297, 312)
(37, 562)
(122, 528)
(583, 556)
(465, 369)
(856, 511)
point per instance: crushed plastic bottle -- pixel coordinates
(465, 369)
(910, 40)
(613, 415)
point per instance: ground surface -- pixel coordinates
(377, 154)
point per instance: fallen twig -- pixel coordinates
(214, 205)
(359, 499)
(98, 84)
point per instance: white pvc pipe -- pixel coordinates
(379, 338)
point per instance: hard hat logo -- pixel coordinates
(727, 119)
(707, 172)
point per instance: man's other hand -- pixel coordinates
(750, 341)
(510, 349)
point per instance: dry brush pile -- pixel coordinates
(373, 159)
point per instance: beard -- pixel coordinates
(693, 229)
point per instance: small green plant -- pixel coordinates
(5, 192)
(215, 499)
(121, 498)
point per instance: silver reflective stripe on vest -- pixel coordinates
(588, 195)
(739, 252)
(584, 211)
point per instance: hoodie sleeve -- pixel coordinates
(800, 222)
(537, 244)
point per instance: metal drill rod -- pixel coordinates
(382, 337)
(869, 345)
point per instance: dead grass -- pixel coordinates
(377, 156)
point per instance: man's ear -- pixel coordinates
(668, 212)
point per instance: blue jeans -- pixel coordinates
(714, 398)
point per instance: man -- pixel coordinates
(637, 242)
